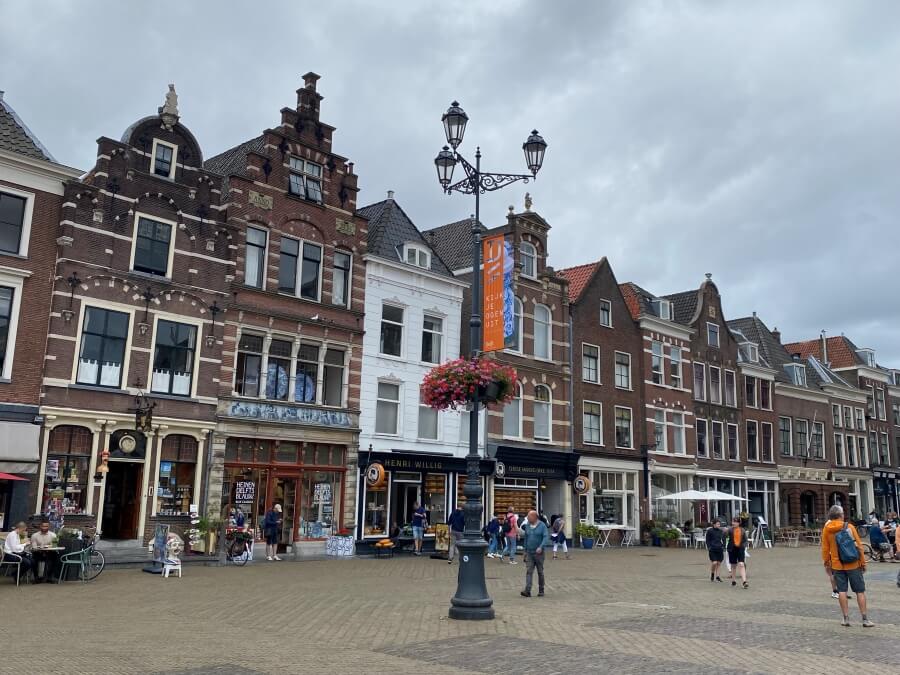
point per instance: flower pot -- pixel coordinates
(587, 542)
(656, 541)
(489, 393)
(671, 543)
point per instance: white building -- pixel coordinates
(413, 310)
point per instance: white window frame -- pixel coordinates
(706, 437)
(733, 392)
(657, 358)
(722, 437)
(437, 422)
(381, 320)
(134, 237)
(520, 327)
(848, 417)
(737, 442)
(850, 439)
(837, 419)
(584, 424)
(523, 245)
(14, 279)
(630, 426)
(418, 252)
(597, 347)
(516, 401)
(665, 431)
(349, 277)
(840, 454)
(859, 419)
(195, 374)
(709, 326)
(304, 176)
(762, 445)
(265, 256)
(615, 371)
(694, 366)
(27, 215)
(799, 423)
(755, 402)
(438, 333)
(608, 306)
(398, 402)
(549, 404)
(156, 143)
(99, 304)
(813, 433)
(548, 328)
(718, 389)
(676, 367)
(880, 404)
(790, 452)
(679, 434)
(755, 424)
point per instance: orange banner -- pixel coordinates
(492, 254)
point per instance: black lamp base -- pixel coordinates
(471, 602)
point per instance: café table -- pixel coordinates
(45, 555)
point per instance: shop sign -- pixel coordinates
(272, 412)
(375, 475)
(244, 491)
(424, 464)
(500, 470)
(536, 471)
(582, 485)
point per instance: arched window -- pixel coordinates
(512, 416)
(515, 341)
(528, 256)
(542, 412)
(542, 332)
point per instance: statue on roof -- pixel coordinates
(169, 110)
(528, 201)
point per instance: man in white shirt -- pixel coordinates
(14, 548)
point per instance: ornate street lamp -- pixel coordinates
(472, 601)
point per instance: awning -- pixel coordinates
(9, 476)
(19, 442)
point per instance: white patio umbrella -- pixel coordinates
(701, 496)
(716, 496)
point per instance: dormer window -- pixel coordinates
(415, 255)
(528, 255)
(163, 161)
(751, 351)
(868, 357)
(797, 373)
(662, 309)
(306, 179)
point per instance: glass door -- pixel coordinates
(285, 493)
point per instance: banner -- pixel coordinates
(493, 253)
(510, 325)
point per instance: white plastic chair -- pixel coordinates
(699, 538)
(171, 566)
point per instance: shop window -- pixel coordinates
(334, 378)
(287, 453)
(435, 499)
(320, 498)
(307, 371)
(152, 245)
(512, 416)
(590, 363)
(278, 370)
(612, 502)
(702, 440)
(432, 329)
(543, 414)
(623, 427)
(305, 179)
(518, 494)
(173, 358)
(376, 511)
(66, 472)
(387, 409)
(428, 420)
(543, 332)
(656, 362)
(623, 370)
(12, 222)
(103, 338)
(249, 364)
(287, 265)
(255, 263)
(675, 367)
(340, 279)
(244, 494)
(177, 470)
(528, 254)
(391, 330)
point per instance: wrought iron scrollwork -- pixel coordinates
(482, 182)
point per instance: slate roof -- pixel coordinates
(234, 161)
(390, 228)
(453, 243)
(684, 304)
(18, 138)
(841, 351)
(578, 278)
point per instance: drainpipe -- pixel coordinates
(570, 498)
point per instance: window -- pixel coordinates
(702, 443)
(797, 372)
(151, 247)
(417, 256)
(715, 385)
(784, 436)
(590, 364)
(623, 370)
(752, 352)
(848, 417)
(431, 339)
(801, 430)
(662, 309)
(593, 423)
(699, 382)
(334, 378)
(873, 446)
(287, 266)
(623, 427)
(730, 389)
(765, 394)
(879, 404)
(613, 503)
(12, 223)
(173, 358)
(839, 449)
(310, 273)
(67, 467)
(750, 391)
(102, 354)
(177, 471)
(255, 265)
(851, 451)
(716, 440)
(732, 431)
(428, 420)
(528, 254)
(678, 433)
(340, 279)
(542, 332)
(306, 373)
(885, 449)
(836, 415)
(512, 416)
(861, 450)
(860, 419)
(818, 440)
(767, 442)
(305, 179)
(278, 370)
(387, 409)
(542, 412)
(895, 408)
(675, 366)
(712, 334)
(659, 430)
(606, 313)
(163, 158)
(868, 357)
(752, 441)
(391, 330)
(514, 341)
(6, 315)
(249, 365)
(656, 362)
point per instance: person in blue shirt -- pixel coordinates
(457, 523)
(419, 523)
(493, 532)
(536, 538)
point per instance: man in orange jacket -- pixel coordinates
(845, 572)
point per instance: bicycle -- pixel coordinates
(96, 562)
(237, 547)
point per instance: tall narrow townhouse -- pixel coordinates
(141, 262)
(530, 439)
(894, 400)
(412, 306)
(32, 184)
(289, 387)
(608, 407)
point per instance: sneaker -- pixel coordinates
(746, 585)
(845, 622)
(277, 558)
(733, 582)
(868, 623)
(269, 558)
(490, 555)
(719, 579)
(513, 562)
(541, 594)
(525, 594)
(449, 562)
(835, 595)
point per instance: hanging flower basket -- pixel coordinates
(453, 384)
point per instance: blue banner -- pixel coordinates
(509, 297)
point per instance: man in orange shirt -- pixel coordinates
(846, 568)
(737, 549)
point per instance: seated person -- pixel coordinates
(40, 540)
(14, 548)
(879, 541)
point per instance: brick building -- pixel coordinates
(530, 438)
(31, 189)
(289, 385)
(142, 256)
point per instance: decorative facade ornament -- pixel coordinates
(528, 201)
(168, 113)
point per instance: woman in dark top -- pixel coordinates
(715, 546)
(271, 526)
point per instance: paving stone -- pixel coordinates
(819, 611)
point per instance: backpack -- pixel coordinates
(846, 546)
(507, 526)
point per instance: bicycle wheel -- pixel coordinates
(238, 553)
(869, 551)
(96, 563)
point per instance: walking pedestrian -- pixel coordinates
(419, 523)
(511, 532)
(715, 547)
(493, 532)
(271, 526)
(536, 537)
(558, 537)
(842, 552)
(457, 523)
(737, 550)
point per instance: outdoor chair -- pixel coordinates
(79, 558)
(699, 538)
(684, 539)
(9, 564)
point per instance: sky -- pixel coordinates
(754, 141)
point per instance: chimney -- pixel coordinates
(776, 334)
(310, 79)
(390, 195)
(308, 98)
(824, 347)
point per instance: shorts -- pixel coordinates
(271, 538)
(735, 556)
(854, 577)
(418, 533)
(716, 555)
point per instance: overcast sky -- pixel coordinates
(755, 141)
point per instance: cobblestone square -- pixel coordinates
(645, 610)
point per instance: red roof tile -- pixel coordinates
(841, 353)
(631, 300)
(578, 278)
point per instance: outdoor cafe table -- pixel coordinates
(42, 555)
(606, 530)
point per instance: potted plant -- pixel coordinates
(208, 529)
(669, 537)
(647, 535)
(587, 533)
(453, 385)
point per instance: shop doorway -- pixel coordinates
(808, 507)
(122, 503)
(405, 491)
(285, 493)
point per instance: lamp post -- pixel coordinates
(472, 601)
